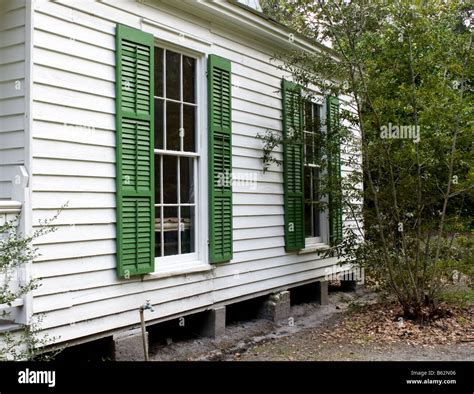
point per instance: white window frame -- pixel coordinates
(197, 260)
(312, 243)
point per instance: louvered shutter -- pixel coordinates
(134, 152)
(220, 159)
(334, 172)
(293, 166)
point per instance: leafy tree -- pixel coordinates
(403, 71)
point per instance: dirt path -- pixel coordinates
(306, 336)
(309, 346)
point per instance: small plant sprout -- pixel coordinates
(17, 250)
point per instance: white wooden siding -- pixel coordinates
(73, 156)
(12, 91)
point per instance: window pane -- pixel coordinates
(308, 145)
(158, 72)
(186, 179)
(317, 118)
(189, 125)
(316, 224)
(159, 118)
(307, 183)
(157, 179)
(315, 198)
(307, 223)
(317, 132)
(311, 196)
(308, 116)
(189, 76)
(170, 176)
(157, 232)
(317, 147)
(173, 86)
(308, 202)
(315, 195)
(172, 125)
(187, 230)
(170, 230)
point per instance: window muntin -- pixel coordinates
(176, 153)
(312, 198)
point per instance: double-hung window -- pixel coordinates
(314, 216)
(307, 223)
(176, 153)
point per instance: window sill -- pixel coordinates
(176, 269)
(314, 248)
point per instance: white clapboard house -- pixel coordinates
(141, 117)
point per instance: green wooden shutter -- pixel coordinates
(334, 172)
(293, 166)
(134, 153)
(220, 159)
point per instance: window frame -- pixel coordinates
(199, 257)
(323, 239)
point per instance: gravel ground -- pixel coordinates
(300, 339)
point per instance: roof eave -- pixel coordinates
(248, 20)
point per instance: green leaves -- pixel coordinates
(399, 68)
(16, 250)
